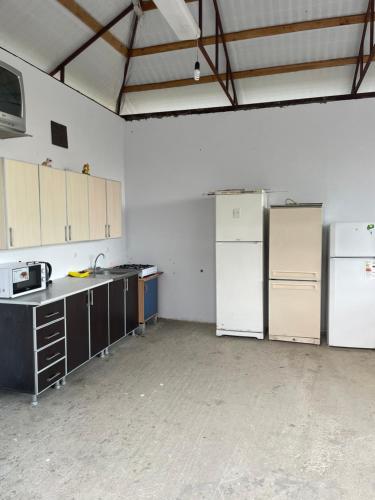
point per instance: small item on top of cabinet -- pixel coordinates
(86, 169)
(47, 162)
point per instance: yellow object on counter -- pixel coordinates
(79, 274)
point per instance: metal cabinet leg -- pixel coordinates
(63, 381)
(102, 354)
(106, 351)
(58, 385)
(34, 400)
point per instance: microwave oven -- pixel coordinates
(20, 278)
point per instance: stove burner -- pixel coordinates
(134, 266)
(143, 269)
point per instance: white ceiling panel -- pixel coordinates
(42, 32)
(97, 73)
(242, 14)
(293, 48)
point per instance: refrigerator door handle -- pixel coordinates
(297, 274)
(290, 286)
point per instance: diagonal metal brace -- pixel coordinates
(363, 61)
(61, 66)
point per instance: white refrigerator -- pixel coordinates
(239, 264)
(351, 316)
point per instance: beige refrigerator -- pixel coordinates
(295, 259)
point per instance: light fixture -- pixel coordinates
(197, 67)
(179, 18)
(197, 71)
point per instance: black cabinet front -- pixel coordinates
(116, 310)
(98, 319)
(132, 304)
(77, 330)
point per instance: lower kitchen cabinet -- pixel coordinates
(148, 297)
(116, 310)
(17, 360)
(32, 353)
(77, 330)
(131, 303)
(98, 299)
(40, 344)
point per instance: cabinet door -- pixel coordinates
(131, 303)
(116, 310)
(77, 330)
(97, 208)
(150, 298)
(77, 206)
(22, 204)
(114, 209)
(52, 205)
(99, 338)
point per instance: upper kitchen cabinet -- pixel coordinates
(77, 194)
(114, 209)
(52, 206)
(97, 208)
(19, 207)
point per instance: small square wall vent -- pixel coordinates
(59, 135)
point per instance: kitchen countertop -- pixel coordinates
(64, 287)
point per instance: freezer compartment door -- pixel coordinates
(240, 217)
(294, 309)
(295, 243)
(239, 287)
(352, 303)
(352, 239)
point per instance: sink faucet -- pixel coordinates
(96, 261)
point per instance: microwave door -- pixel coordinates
(26, 280)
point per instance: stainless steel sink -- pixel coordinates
(102, 272)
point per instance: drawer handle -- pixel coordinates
(54, 376)
(51, 314)
(53, 356)
(52, 336)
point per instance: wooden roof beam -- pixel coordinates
(280, 29)
(74, 8)
(249, 73)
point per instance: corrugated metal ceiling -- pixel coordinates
(44, 32)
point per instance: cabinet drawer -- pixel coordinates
(51, 375)
(51, 354)
(50, 333)
(50, 312)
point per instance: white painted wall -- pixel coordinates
(95, 135)
(311, 153)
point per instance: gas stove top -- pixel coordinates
(143, 269)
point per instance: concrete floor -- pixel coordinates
(182, 414)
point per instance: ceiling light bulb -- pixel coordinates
(197, 71)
